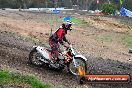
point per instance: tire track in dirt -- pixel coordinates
(14, 55)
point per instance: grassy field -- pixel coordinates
(125, 39)
(77, 21)
(128, 41)
(11, 79)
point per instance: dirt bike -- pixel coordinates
(68, 58)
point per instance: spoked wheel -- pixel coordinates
(74, 70)
(34, 58)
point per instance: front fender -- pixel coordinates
(81, 56)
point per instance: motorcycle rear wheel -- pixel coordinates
(71, 68)
(34, 58)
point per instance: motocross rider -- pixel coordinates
(59, 37)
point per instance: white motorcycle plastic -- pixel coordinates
(69, 58)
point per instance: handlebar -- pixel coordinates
(71, 48)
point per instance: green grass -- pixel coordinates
(124, 39)
(126, 22)
(128, 40)
(77, 21)
(130, 27)
(7, 77)
(105, 38)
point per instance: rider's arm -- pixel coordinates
(64, 39)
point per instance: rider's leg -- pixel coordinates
(54, 47)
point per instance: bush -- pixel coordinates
(109, 9)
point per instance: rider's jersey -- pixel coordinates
(59, 36)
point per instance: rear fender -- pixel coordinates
(43, 52)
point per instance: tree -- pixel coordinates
(4, 4)
(108, 8)
(83, 4)
(128, 4)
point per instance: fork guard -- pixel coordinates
(81, 56)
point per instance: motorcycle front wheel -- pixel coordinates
(34, 58)
(80, 62)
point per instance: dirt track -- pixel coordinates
(14, 51)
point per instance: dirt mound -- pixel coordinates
(106, 23)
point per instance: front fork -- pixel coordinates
(79, 68)
(75, 63)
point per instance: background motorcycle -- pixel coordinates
(69, 58)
